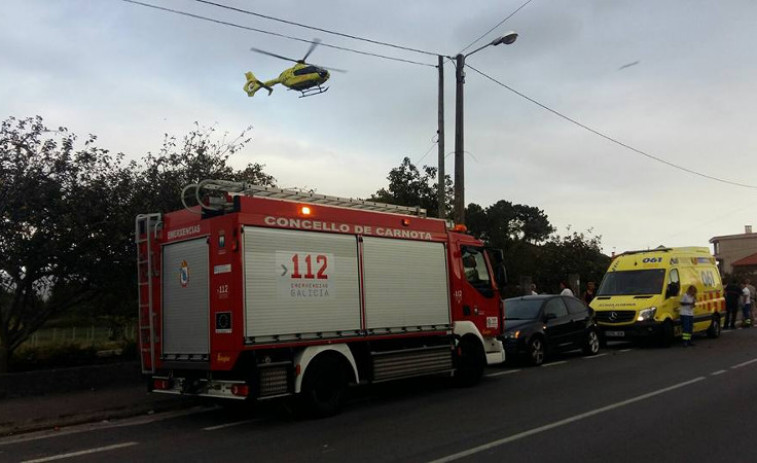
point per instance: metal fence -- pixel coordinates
(84, 335)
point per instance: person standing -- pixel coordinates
(686, 308)
(588, 295)
(733, 295)
(533, 290)
(753, 292)
(565, 290)
(746, 307)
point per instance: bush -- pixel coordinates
(71, 355)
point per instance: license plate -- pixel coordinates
(615, 334)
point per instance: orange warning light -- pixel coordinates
(305, 210)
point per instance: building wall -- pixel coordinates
(732, 248)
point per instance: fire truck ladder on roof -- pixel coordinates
(146, 229)
(250, 189)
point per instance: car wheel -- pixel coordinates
(591, 344)
(667, 334)
(536, 351)
(714, 330)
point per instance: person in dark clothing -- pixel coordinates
(588, 295)
(733, 293)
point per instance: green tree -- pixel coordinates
(411, 187)
(58, 204)
(67, 226)
(575, 252)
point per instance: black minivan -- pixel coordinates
(536, 326)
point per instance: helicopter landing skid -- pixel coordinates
(313, 91)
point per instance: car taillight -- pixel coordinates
(241, 390)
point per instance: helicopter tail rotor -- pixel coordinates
(253, 85)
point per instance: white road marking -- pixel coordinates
(81, 452)
(508, 372)
(719, 372)
(551, 364)
(136, 421)
(227, 425)
(594, 356)
(625, 350)
(572, 419)
(744, 363)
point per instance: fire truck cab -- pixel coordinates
(259, 293)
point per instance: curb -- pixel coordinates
(148, 407)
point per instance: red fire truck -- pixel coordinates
(258, 292)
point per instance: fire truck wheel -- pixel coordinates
(324, 387)
(470, 363)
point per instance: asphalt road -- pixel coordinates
(626, 404)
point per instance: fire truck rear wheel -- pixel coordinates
(470, 363)
(324, 387)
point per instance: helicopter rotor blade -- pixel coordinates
(272, 54)
(313, 44)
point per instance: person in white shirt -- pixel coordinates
(686, 308)
(746, 305)
(564, 290)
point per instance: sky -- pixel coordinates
(674, 79)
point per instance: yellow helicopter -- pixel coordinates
(303, 77)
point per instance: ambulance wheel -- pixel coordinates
(667, 334)
(714, 330)
(324, 387)
(591, 344)
(536, 351)
(470, 362)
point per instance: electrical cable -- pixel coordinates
(433, 143)
(498, 24)
(608, 138)
(276, 34)
(340, 34)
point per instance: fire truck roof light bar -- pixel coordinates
(250, 189)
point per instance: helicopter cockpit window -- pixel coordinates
(306, 70)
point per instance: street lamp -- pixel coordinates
(507, 39)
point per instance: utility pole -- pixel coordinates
(442, 196)
(459, 141)
(507, 39)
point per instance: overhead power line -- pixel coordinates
(611, 139)
(326, 31)
(498, 24)
(276, 34)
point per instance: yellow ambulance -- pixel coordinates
(640, 294)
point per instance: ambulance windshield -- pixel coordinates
(633, 282)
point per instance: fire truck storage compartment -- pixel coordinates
(300, 285)
(406, 285)
(185, 299)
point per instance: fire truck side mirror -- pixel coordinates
(497, 259)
